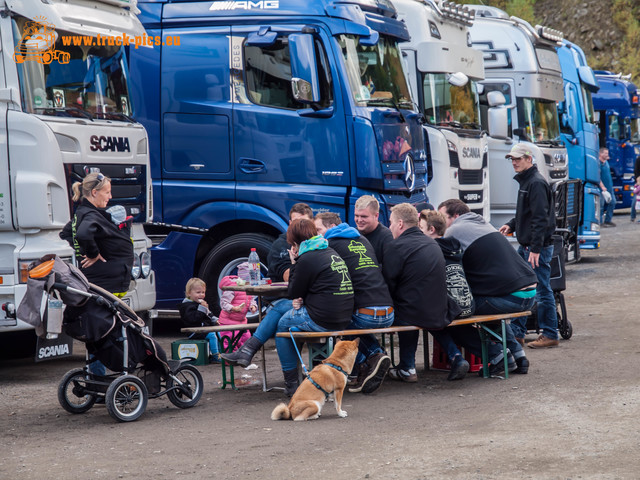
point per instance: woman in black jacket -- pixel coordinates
(103, 245)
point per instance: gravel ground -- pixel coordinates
(575, 415)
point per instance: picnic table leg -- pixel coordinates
(232, 341)
(486, 333)
(425, 348)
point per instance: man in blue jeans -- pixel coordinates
(607, 196)
(499, 279)
(372, 301)
(534, 225)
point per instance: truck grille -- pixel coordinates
(469, 177)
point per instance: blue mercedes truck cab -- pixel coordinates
(619, 110)
(254, 106)
(579, 132)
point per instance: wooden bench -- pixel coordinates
(482, 322)
(232, 341)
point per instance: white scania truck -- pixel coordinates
(65, 109)
(443, 70)
(521, 62)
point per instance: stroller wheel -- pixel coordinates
(73, 392)
(564, 325)
(126, 398)
(189, 393)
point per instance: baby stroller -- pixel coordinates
(113, 334)
(558, 285)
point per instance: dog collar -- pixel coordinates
(340, 369)
(317, 385)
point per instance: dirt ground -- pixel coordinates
(574, 416)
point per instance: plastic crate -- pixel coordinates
(439, 360)
(197, 349)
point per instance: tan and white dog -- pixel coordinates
(330, 376)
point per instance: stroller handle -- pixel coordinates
(66, 288)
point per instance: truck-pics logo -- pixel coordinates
(109, 144)
(245, 5)
(38, 44)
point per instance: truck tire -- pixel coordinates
(224, 258)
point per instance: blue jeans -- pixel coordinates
(607, 210)
(633, 207)
(301, 320)
(213, 343)
(369, 343)
(547, 314)
(507, 304)
(269, 324)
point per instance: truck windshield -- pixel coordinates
(539, 120)
(72, 80)
(449, 105)
(375, 72)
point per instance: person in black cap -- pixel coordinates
(534, 224)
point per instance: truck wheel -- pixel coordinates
(224, 259)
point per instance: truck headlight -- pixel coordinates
(145, 264)
(136, 269)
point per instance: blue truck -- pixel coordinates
(579, 132)
(262, 105)
(617, 105)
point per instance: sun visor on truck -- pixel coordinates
(104, 17)
(588, 78)
(451, 58)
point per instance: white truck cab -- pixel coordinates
(443, 71)
(521, 63)
(65, 109)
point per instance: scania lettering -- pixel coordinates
(261, 108)
(112, 144)
(618, 107)
(523, 71)
(58, 350)
(65, 112)
(579, 131)
(443, 70)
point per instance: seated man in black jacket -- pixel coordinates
(373, 304)
(414, 268)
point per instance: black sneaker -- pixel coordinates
(372, 376)
(497, 369)
(459, 368)
(523, 365)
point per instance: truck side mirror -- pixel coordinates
(497, 122)
(596, 116)
(496, 98)
(305, 83)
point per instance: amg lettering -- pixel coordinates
(245, 5)
(54, 351)
(473, 152)
(110, 144)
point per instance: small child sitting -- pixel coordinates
(235, 305)
(194, 312)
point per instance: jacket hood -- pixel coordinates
(450, 246)
(314, 243)
(342, 231)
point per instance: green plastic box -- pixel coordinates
(197, 349)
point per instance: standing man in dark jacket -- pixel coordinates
(373, 305)
(415, 272)
(534, 225)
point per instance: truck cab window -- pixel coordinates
(449, 105)
(539, 120)
(614, 127)
(268, 74)
(69, 80)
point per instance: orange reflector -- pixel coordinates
(42, 270)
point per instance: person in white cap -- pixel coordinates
(534, 225)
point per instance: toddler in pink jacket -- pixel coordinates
(235, 305)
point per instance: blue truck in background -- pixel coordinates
(264, 104)
(619, 110)
(579, 132)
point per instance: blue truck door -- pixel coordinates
(276, 149)
(196, 115)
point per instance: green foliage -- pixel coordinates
(626, 14)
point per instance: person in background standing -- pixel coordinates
(607, 196)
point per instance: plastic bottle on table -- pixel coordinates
(254, 267)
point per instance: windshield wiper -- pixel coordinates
(386, 102)
(114, 116)
(473, 125)
(64, 112)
